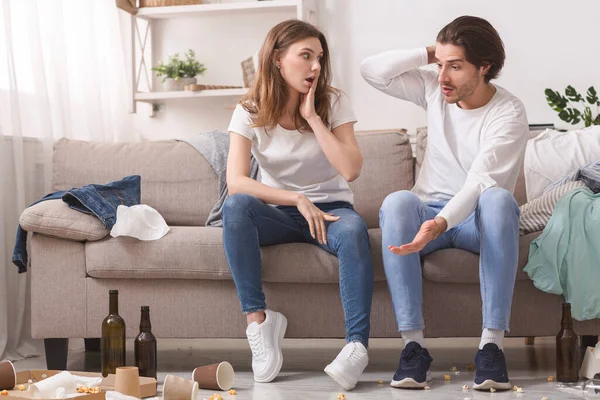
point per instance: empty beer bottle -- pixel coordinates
(145, 346)
(567, 355)
(113, 337)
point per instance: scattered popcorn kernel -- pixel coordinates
(380, 382)
(426, 388)
(550, 378)
(95, 390)
(341, 396)
(232, 392)
(465, 388)
(471, 367)
(21, 387)
(216, 396)
(519, 390)
(492, 390)
(447, 378)
(4, 393)
(544, 398)
(30, 381)
(453, 369)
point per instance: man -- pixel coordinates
(477, 132)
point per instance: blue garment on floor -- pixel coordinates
(99, 200)
(564, 259)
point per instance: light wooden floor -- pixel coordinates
(302, 376)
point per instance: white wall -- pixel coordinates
(548, 44)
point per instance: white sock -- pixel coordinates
(492, 336)
(413, 336)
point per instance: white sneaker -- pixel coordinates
(348, 365)
(265, 342)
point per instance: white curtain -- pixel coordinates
(63, 73)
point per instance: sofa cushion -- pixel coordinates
(387, 168)
(459, 266)
(197, 253)
(56, 218)
(176, 180)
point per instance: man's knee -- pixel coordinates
(401, 201)
(498, 199)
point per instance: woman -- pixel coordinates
(301, 132)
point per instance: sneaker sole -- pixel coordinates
(339, 377)
(281, 328)
(490, 384)
(410, 383)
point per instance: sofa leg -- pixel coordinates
(92, 344)
(529, 340)
(56, 353)
(586, 341)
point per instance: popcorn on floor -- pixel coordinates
(380, 382)
(216, 396)
(341, 396)
(550, 378)
(447, 377)
(232, 392)
(517, 389)
(4, 393)
(21, 387)
(492, 390)
(465, 388)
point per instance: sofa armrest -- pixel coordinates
(58, 288)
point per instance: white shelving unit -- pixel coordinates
(304, 9)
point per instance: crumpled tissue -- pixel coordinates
(139, 221)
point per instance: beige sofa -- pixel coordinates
(184, 276)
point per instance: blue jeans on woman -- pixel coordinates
(492, 231)
(249, 223)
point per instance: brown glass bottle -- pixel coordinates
(145, 346)
(567, 353)
(113, 337)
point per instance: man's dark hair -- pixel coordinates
(479, 40)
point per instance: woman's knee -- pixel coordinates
(238, 203)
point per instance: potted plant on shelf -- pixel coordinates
(177, 73)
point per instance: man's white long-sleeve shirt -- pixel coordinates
(468, 151)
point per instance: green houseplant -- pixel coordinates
(567, 111)
(177, 73)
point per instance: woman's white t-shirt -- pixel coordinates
(293, 160)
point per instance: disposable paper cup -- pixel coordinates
(215, 376)
(47, 388)
(176, 388)
(8, 375)
(127, 381)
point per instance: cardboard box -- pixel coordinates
(147, 385)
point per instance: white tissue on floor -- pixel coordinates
(139, 221)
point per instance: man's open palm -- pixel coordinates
(426, 234)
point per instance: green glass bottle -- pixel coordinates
(113, 337)
(145, 346)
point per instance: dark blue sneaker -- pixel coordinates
(413, 371)
(491, 369)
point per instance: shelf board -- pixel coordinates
(203, 9)
(183, 94)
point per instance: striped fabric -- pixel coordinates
(536, 213)
(589, 174)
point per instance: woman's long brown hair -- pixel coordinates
(267, 98)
